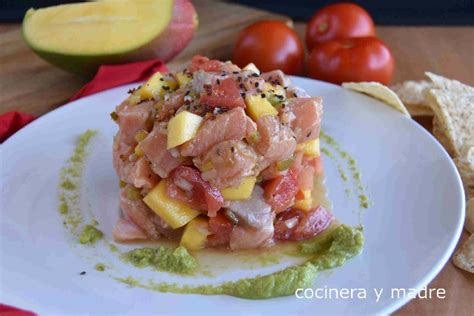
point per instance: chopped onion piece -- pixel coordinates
(183, 184)
(290, 223)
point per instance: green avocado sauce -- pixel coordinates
(162, 259)
(355, 175)
(100, 267)
(70, 179)
(90, 235)
(332, 251)
(328, 250)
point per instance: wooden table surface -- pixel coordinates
(31, 85)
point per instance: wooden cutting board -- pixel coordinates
(29, 84)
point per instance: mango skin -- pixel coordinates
(177, 35)
(85, 66)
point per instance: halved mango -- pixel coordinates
(174, 212)
(79, 37)
(195, 234)
(241, 192)
(182, 127)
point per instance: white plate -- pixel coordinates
(411, 228)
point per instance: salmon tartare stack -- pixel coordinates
(216, 156)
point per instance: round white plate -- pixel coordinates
(411, 228)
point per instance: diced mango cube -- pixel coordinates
(134, 98)
(310, 148)
(182, 127)
(170, 82)
(183, 78)
(306, 203)
(258, 107)
(138, 151)
(206, 166)
(157, 85)
(195, 234)
(241, 192)
(269, 88)
(174, 212)
(152, 87)
(251, 67)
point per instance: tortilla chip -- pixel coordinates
(413, 95)
(380, 92)
(453, 105)
(469, 222)
(465, 166)
(439, 134)
(464, 257)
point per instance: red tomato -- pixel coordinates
(187, 186)
(352, 59)
(223, 93)
(280, 191)
(336, 21)
(300, 225)
(221, 228)
(270, 45)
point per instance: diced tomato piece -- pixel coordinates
(221, 228)
(224, 94)
(203, 63)
(187, 185)
(280, 191)
(296, 224)
(300, 195)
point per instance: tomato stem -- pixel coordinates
(323, 27)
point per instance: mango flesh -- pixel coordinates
(157, 85)
(81, 37)
(174, 212)
(310, 148)
(258, 107)
(182, 127)
(240, 192)
(306, 203)
(195, 234)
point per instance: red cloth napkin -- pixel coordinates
(10, 122)
(6, 310)
(108, 76)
